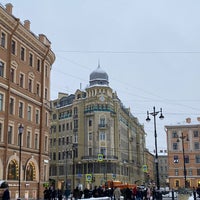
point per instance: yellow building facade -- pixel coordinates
(94, 138)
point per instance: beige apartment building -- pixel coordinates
(163, 168)
(183, 143)
(94, 138)
(25, 65)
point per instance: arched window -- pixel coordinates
(30, 172)
(13, 170)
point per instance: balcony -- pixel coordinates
(103, 126)
(95, 158)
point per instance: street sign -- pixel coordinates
(89, 177)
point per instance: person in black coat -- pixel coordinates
(6, 194)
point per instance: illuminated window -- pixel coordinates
(30, 172)
(13, 170)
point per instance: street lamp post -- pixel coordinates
(182, 137)
(20, 129)
(154, 114)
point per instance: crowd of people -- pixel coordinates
(115, 193)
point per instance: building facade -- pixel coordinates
(183, 143)
(94, 138)
(25, 65)
(150, 172)
(163, 169)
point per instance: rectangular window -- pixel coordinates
(176, 172)
(46, 94)
(37, 116)
(190, 172)
(90, 136)
(10, 134)
(174, 134)
(12, 75)
(102, 122)
(187, 159)
(1, 132)
(175, 146)
(102, 136)
(103, 150)
(21, 80)
(31, 59)
(46, 119)
(13, 47)
(38, 65)
(30, 85)
(36, 141)
(59, 155)
(28, 139)
(1, 69)
(1, 102)
(75, 123)
(46, 143)
(54, 155)
(63, 127)
(195, 133)
(21, 108)
(11, 106)
(196, 145)
(29, 113)
(46, 71)
(3, 40)
(90, 122)
(90, 151)
(198, 172)
(197, 158)
(22, 53)
(175, 159)
(38, 89)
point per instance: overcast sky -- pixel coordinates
(149, 48)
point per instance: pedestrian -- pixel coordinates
(148, 195)
(6, 194)
(86, 193)
(194, 193)
(117, 193)
(46, 194)
(76, 193)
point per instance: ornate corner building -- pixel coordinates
(25, 64)
(94, 138)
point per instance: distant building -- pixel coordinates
(183, 143)
(25, 65)
(163, 168)
(150, 176)
(94, 138)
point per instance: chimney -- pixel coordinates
(27, 24)
(9, 7)
(198, 119)
(44, 40)
(188, 120)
